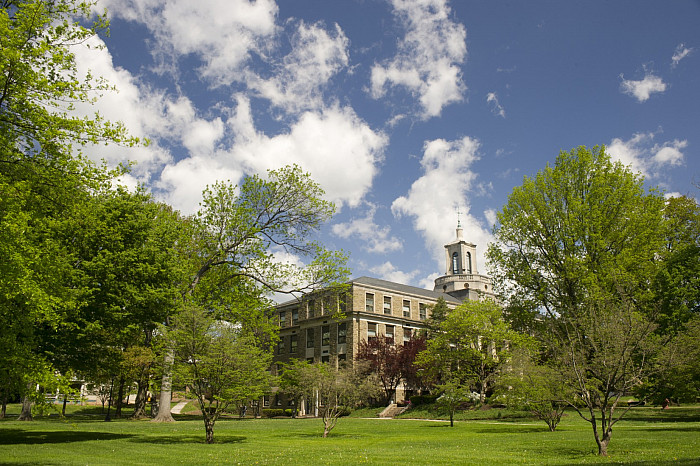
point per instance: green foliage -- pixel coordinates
(43, 178)
(220, 363)
(418, 400)
(469, 348)
(534, 387)
(580, 242)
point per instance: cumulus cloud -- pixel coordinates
(221, 33)
(338, 149)
(388, 271)
(681, 52)
(377, 239)
(445, 184)
(643, 155)
(429, 56)
(496, 108)
(642, 90)
(297, 82)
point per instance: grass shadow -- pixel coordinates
(31, 437)
(187, 439)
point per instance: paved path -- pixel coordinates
(178, 407)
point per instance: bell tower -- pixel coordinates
(462, 279)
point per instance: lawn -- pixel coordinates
(648, 436)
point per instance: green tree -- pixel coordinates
(338, 390)
(237, 231)
(533, 386)
(294, 383)
(581, 241)
(42, 174)
(219, 362)
(469, 347)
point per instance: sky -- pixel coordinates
(411, 114)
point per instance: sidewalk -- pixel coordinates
(178, 407)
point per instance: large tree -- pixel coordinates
(237, 233)
(42, 174)
(581, 242)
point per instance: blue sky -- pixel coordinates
(403, 110)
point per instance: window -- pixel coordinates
(342, 332)
(327, 304)
(283, 319)
(310, 360)
(371, 331)
(422, 310)
(325, 358)
(407, 334)
(325, 335)
(266, 400)
(406, 308)
(342, 357)
(342, 299)
(310, 338)
(455, 263)
(369, 302)
(389, 334)
(293, 343)
(295, 316)
(387, 305)
(469, 262)
(310, 305)
(280, 346)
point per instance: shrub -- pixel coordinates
(418, 400)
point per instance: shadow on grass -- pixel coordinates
(187, 439)
(24, 437)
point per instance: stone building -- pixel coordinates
(328, 327)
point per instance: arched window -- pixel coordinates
(455, 263)
(469, 262)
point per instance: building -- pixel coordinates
(311, 330)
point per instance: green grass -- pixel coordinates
(648, 436)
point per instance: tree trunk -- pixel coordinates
(452, 422)
(140, 402)
(209, 427)
(4, 407)
(26, 413)
(65, 402)
(166, 394)
(120, 397)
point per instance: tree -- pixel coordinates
(535, 387)
(294, 382)
(340, 389)
(470, 346)
(452, 394)
(410, 372)
(580, 241)
(42, 174)
(237, 231)
(384, 360)
(220, 363)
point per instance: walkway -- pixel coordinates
(178, 407)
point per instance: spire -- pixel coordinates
(460, 235)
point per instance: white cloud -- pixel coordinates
(338, 149)
(377, 238)
(681, 52)
(642, 90)
(431, 201)
(221, 33)
(496, 107)
(642, 155)
(387, 271)
(491, 216)
(298, 81)
(429, 56)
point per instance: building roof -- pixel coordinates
(393, 286)
(405, 289)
